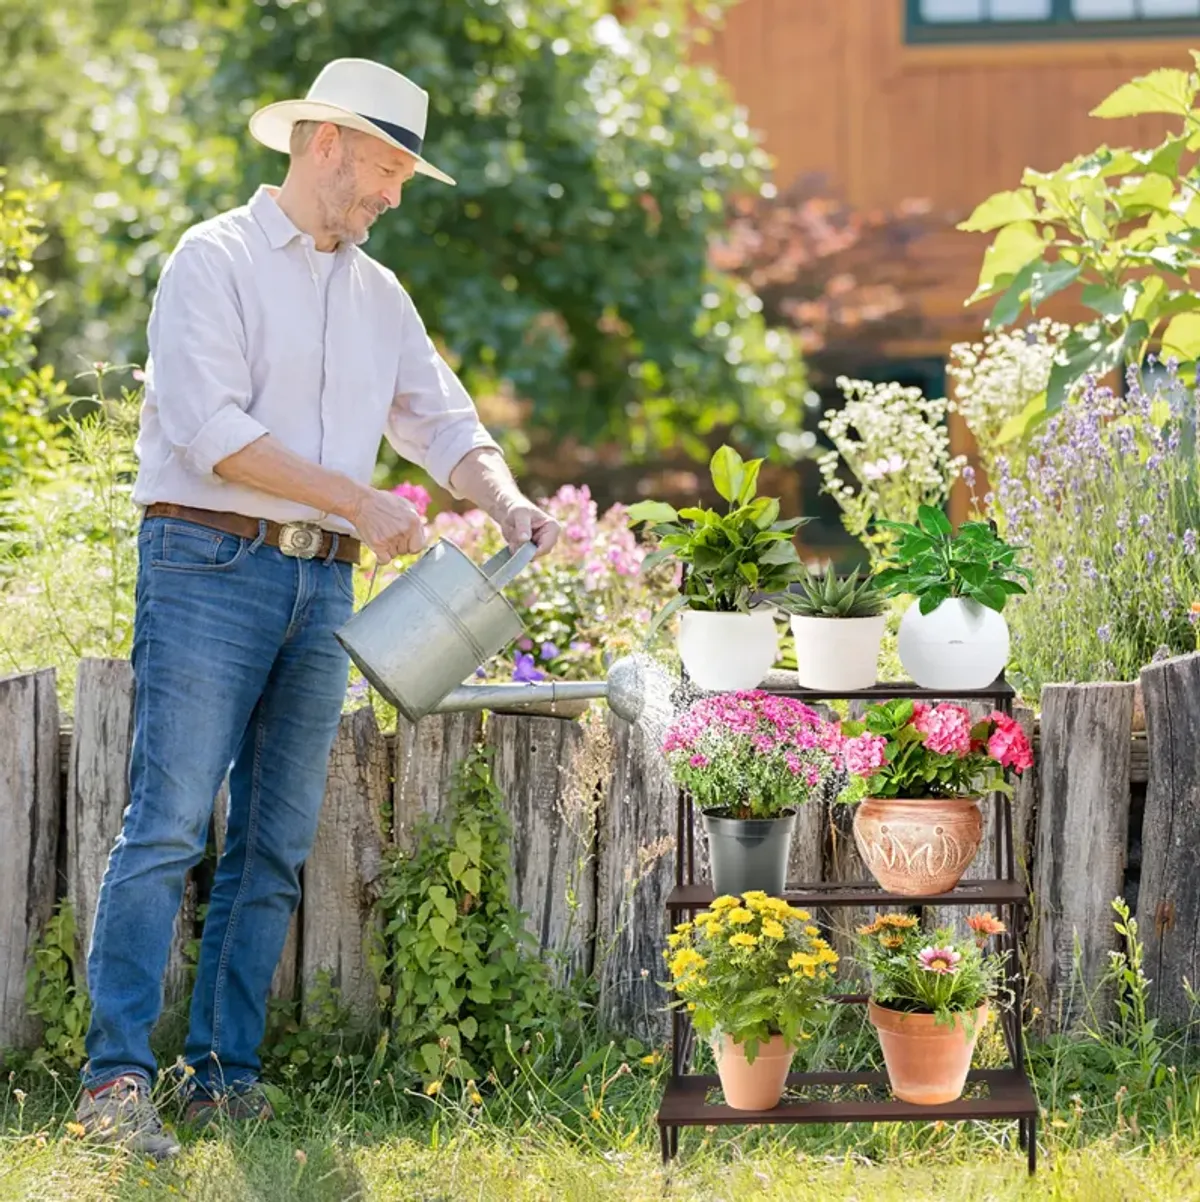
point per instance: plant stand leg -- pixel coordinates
(1032, 1149)
(674, 1141)
(665, 1140)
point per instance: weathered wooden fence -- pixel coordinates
(1107, 812)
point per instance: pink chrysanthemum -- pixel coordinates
(942, 960)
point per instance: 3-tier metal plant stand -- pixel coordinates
(864, 1097)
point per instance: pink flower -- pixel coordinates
(865, 754)
(1008, 745)
(415, 494)
(699, 761)
(943, 960)
(947, 729)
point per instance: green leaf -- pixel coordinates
(750, 572)
(1154, 192)
(1014, 246)
(779, 553)
(727, 471)
(671, 608)
(745, 493)
(1012, 299)
(1181, 338)
(471, 880)
(1166, 90)
(933, 520)
(1021, 423)
(651, 511)
(1163, 159)
(1054, 278)
(767, 516)
(1088, 352)
(1001, 209)
(457, 862)
(468, 1026)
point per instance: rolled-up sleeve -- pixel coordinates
(198, 373)
(433, 421)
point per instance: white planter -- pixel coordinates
(727, 652)
(837, 653)
(959, 645)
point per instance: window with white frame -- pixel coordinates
(999, 20)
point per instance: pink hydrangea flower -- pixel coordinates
(415, 494)
(1008, 744)
(942, 960)
(947, 729)
(865, 754)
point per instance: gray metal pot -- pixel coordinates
(749, 853)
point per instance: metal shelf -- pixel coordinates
(965, 893)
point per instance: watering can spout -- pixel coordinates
(624, 689)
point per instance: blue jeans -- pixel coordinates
(235, 665)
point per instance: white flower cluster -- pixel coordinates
(894, 442)
(996, 378)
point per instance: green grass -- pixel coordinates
(568, 1126)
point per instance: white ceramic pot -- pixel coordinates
(837, 653)
(959, 645)
(726, 652)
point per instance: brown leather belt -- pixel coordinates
(300, 538)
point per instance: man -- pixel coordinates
(280, 355)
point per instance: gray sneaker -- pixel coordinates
(121, 1112)
(246, 1104)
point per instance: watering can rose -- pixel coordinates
(752, 754)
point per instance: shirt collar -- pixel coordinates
(276, 224)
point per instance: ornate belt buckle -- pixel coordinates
(301, 540)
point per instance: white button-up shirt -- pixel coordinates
(245, 341)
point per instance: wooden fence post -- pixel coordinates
(1168, 911)
(636, 873)
(426, 756)
(342, 873)
(97, 795)
(1083, 830)
(30, 801)
(553, 833)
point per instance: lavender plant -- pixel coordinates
(1107, 505)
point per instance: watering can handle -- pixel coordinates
(505, 566)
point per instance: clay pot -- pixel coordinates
(757, 1086)
(926, 1063)
(918, 847)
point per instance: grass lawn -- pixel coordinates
(537, 1139)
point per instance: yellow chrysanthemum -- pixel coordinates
(754, 895)
(682, 928)
(802, 960)
(725, 902)
(802, 915)
(811, 931)
(685, 959)
(826, 955)
(741, 916)
(772, 929)
(743, 939)
(675, 940)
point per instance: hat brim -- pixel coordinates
(272, 126)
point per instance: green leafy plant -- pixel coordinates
(56, 994)
(933, 563)
(906, 748)
(728, 557)
(930, 971)
(829, 596)
(1122, 226)
(460, 977)
(750, 968)
(308, 1041)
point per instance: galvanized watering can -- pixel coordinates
(441, 619)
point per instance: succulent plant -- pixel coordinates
(828, 596)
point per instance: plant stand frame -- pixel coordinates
(1009, 1093)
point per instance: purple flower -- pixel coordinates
(1119, 550)
(525, 644)
(1103, 633)
(549, 650)
(1151, 556)
(1060, 564)
(968, 474)
(579, 645)
(5, 311)
(481, 672)
(1144, 522)
(1189, 541)
(525, 672)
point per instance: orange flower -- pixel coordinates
(986, 924)
(892, 942)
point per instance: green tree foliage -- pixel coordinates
(596, 164)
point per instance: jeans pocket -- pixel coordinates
(344, 574)
(189, 547)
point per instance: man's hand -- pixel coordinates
(523, 521)
(388, 524)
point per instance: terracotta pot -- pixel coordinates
(926, 1063)
(918, 847)
(757, 1086)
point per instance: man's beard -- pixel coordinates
(338, 201)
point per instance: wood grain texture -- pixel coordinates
(1168, 911)
(636, 873)
(1083, 830)
(341, 875)
(30, 805)
(426, 755)
(552, 844)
